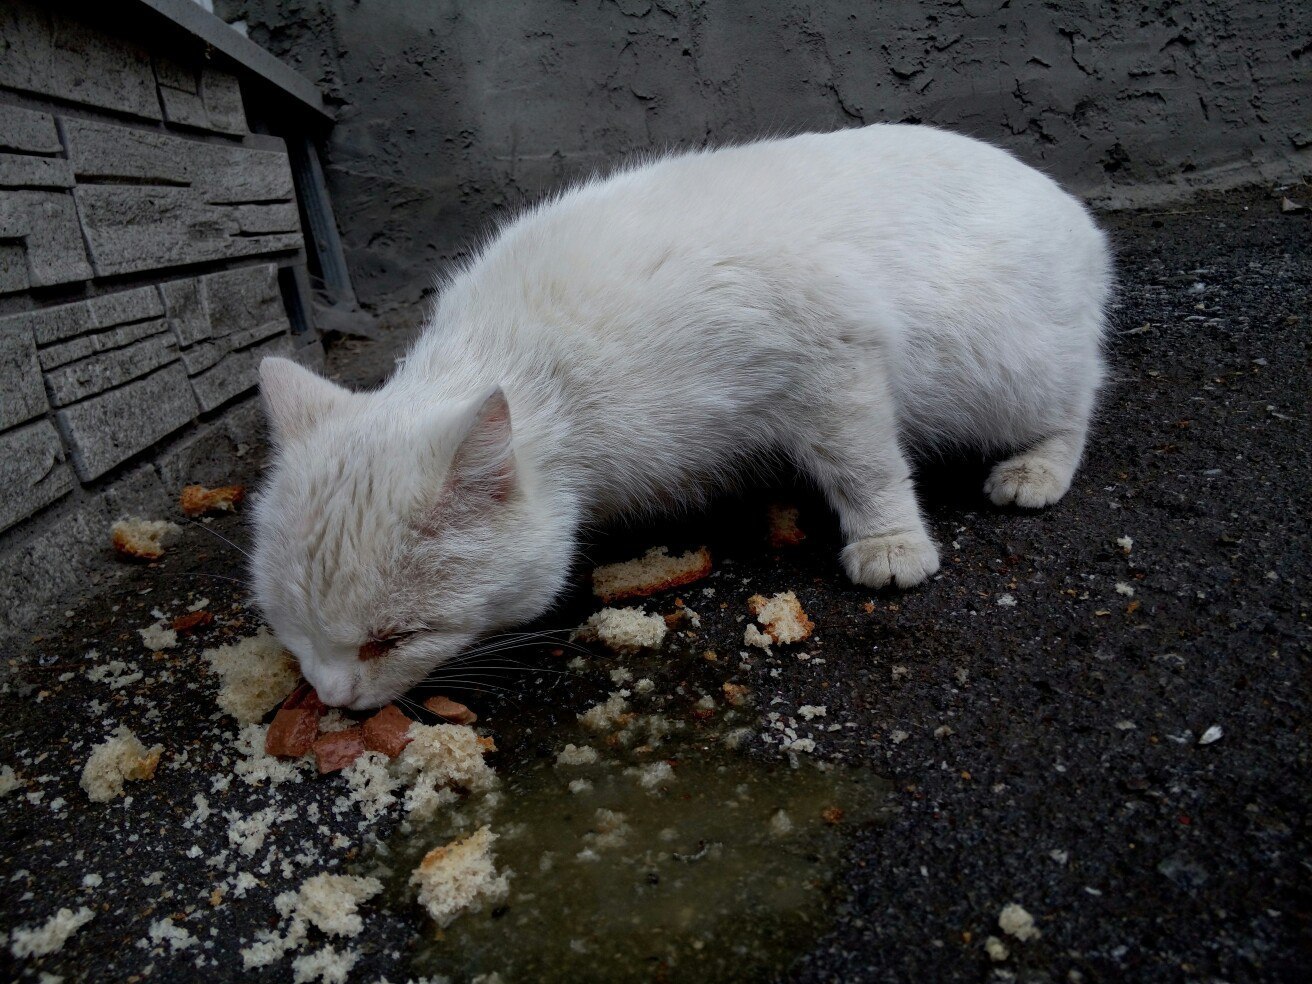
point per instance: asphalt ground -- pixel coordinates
(1113, 737)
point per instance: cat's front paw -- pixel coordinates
(904, 559)
(1028, 482)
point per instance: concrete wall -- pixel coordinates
(146, 239)
(451, 112)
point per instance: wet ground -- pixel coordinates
(1099, 712)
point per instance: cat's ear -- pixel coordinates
(484, 462)
(295, 399)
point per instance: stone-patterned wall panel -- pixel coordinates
(236, 373)
(28, 131)
(49, 249)
(32, 471)
(105, 370)
(200, 96)
(108, 429)
(21, 394)
(152, 200)
(49, 52)
(217, 319)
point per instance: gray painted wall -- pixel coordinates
(452, 112)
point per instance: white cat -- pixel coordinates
(641, 340)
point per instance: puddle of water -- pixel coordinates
(673, 857)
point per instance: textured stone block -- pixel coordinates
(242, 298)
(125, 306)
(51, 250)
(185, 304)
(26, 171)
(159, 200)
(104, 370)
(236, 373)
(48, 51)
(32, 471)
(105, 430)
(222, 93)
(28, 131)
(57, 559)
(50, 324)
(138, 493)
(80, 348)
(21, 394)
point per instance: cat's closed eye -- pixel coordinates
(378, 648)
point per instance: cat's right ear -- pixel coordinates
(295, 399)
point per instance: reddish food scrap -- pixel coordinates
(192, 621)
(304, 696)
(832, 814)
(292, 732)
(386, 731)
(196, 500)
(450, 710)
(784, 531)
(335, 750)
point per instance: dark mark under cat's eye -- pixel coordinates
(377, 648)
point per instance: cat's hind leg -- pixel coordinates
(851, 449)
(1041, 475)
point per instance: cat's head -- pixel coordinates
(392, 533)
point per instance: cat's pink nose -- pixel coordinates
(336, 689)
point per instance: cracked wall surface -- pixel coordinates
(452, 113)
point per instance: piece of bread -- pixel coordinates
(624, 630)
(654, 571)
(118, 758)
(781, 617)
(197, 500)
(141, 539)
(783, 527)
(458, 876)
(256, 674)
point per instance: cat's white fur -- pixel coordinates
(638, 341)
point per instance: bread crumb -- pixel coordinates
(1126, 543)
(50, 936)
(9, 780)
(158, 636)
(196, 500)
(610, 830)
(610, 713)
(255, 674)
(458, 875)
(324, 964)
(118, 758)
(327, 902)
(783, 527)
(579, 786)
(810, 712)
(142, 539)
(373, 787)
(1006, 601)
(736, 694)
(164, 931)
(996, 949)
(573, 754)
(652, 775)
(257, 767)
(439, 756)
(753, 636)
(781, 616)
(654, 571)
(1124, 589)
(624, 630)
(1015, 921)
(781, 824)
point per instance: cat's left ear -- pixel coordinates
(484, 463)
(295, 399)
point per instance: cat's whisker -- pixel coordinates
(216, 533)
